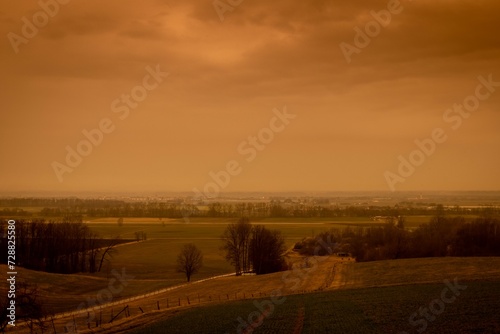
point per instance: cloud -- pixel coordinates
(227, 76)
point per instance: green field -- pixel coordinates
(155, 258)
(375, 310)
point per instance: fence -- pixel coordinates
(126, 309)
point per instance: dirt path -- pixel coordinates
(339, 276)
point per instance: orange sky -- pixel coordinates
(353, 118)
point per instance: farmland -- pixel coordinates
(346, 303)
(376, 310)
(155, 258)
(151, 263)
(358, 296)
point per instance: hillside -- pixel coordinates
(367, 310)
(330, 274)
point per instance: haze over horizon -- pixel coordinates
(268, 95)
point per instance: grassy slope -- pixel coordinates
(375, 310)
(416, 271)
(61, 293)
(399, 288)
(349, 280)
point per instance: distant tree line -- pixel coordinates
(443, 236)
(57, 202)
(253, 248)
(72, 207)
(58, 247)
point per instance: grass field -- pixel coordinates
(155, 258)
(214, 298)
(375, 310)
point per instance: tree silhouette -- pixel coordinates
(236, 239)
(189, 260)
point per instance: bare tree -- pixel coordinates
(189, 260)
(266, 250)
(107, 251)
(236, 238)
(62, 247)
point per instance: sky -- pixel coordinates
(229, 95)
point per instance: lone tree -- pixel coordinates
(189, 260)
